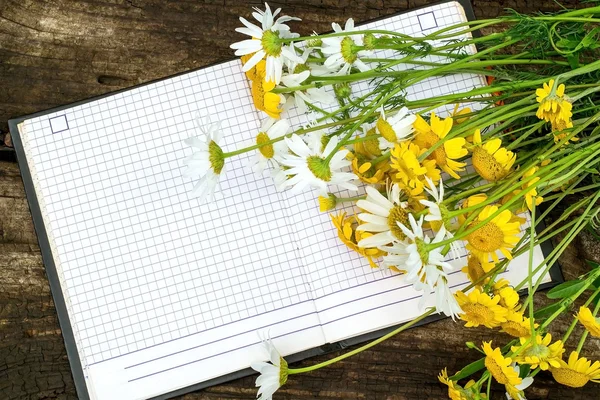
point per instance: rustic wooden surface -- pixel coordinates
(54, 52)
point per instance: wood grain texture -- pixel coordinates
(54, 52)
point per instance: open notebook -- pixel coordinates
(158, 294)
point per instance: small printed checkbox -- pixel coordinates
(59, 124)
(427, 21)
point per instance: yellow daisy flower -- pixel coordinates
(457, 115)
(470, 201)
(445, 155)
(455, 391)
(509, 298)
(365, 170)
(264, 99)
(516, 325)
(327, 203)
(541, 353)
(499, 366)
(410, 172)
(476, 268)
(369, 173)
(490, 160)
(480, 309)
(558, 133)
(587, 319)
(499, 234)
(531, 192)
(554, 106)
(577, 372)
(346, 227)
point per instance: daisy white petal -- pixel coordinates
(341, 50)
(265, 155)
(207, 161)
(379, 208)
(267, 42)
(309, 165)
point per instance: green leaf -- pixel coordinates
(573, 60)
(590, 40)
(524, 370)
(469, 370)
(566, 289)
(547, 311)
(596, 284)
(592, 264)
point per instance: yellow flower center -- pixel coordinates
(370, 41)
(327, 203)
(271, 43)
(496, 370)
(347, 50)
(568, 377)
(267, 149)
(283, 371)
(386, 130)
(487, 166)
(319, 167)
(478, 313)
(427, 140)
(215, 156)
(258, 94)
(475, 269)
(541, 352)
(515, 329)
(397, 214)
(372, 145)
(342, 90)
(487, 239)
(301, 68)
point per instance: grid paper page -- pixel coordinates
(352, 298)
(155, 281)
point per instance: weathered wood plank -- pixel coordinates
(57, 51)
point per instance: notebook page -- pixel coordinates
(162, 291)
(352, 298)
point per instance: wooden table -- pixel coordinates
(57, 51)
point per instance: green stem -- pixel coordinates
(364, 347)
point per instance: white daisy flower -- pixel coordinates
(421, 266)
(525, 383)
(382, 217)
(445, 301)
(340, 52)
(266, 42)
(394, 129)
(424, 268)
(207, 161)
(437, 213)
(307, 167)
(265, 156)
(272, 376)
(311, 96)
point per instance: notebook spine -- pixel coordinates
(53, 249)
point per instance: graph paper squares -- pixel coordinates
(59, 124)
(427, 21)
(143, 260)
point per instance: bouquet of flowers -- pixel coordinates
(431, 175)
